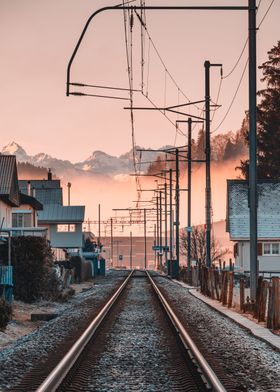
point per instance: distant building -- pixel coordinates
(268, 223)
(64, 223)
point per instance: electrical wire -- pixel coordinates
(161, 59)
(233, 99)
(243, 72)
(242, 51)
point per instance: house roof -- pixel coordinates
(9, 190)
(46, 191)
(38, 184)
(49, 196)
(268, 192)
(53, 213)
(25, 199)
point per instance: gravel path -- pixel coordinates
(135, 350)
(26, 352)
(245, 358)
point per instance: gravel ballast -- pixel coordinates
(245, 358)
(21, 356)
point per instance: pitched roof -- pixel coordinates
(25, 199)
(53, 213)
(46, 191)
(38, 184)
(268, 209)
(9, 190)
(49, 196)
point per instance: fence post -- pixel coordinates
(276, 310)
(242, 294)
(262, 303)
(258, 296)
(269, 322)
(224, 287)
(230, 291)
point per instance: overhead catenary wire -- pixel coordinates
(160, 57)
(243, 72)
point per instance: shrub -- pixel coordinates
(5, 313)
(32, 261)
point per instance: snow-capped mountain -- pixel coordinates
(98, 162)
(15, 149)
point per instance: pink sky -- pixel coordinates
(38, 36)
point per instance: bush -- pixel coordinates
(5, 314)
(32, 261)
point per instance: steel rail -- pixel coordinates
(55, 378)
(188, 342)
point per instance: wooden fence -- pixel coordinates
(218, 284)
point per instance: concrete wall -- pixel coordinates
(266, 263)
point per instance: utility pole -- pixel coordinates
(208, 168)
(99, 225)
(177, 208)
(112, 243)
(170, 217)
(253, 201)
(130, 254)
(145, 238)
(207, 66)
(165, 220)
(157, 244)
(160, 228)
(189, 189)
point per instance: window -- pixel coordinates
(271, 248)
(66, 228)
(22, 219)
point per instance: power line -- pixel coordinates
(160, 57)
(243, 72)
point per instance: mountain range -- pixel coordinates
(98, 162)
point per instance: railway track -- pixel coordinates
(133, 344)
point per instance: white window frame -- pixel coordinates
(270, 254)
(23, 213)
(66, 228)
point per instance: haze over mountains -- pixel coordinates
(98, 163)
(103, 178)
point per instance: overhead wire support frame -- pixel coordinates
(148, 8)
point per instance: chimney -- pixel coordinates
(28, 188)
(49, 175)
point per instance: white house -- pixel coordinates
(268, 223)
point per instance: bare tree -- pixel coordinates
(198, 245)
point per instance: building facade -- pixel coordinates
(268, 223)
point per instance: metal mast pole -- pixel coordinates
(130, 255)
(208, 158)
(177, 207)
(253, 202)
(165, 220)
(145, 239)
(160, 228)
(170, 217)
(99, 225)
(157, 239)
(189, 188)
(112, 246)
